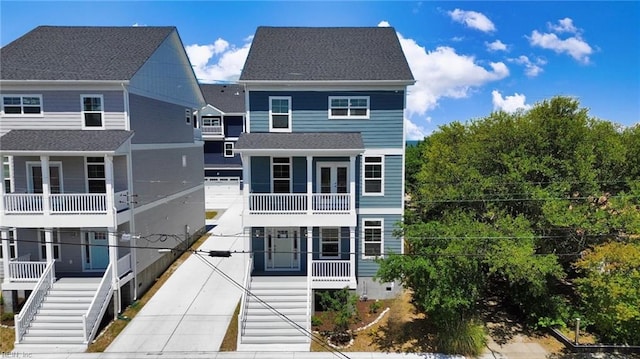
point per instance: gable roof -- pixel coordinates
(227, 98)
(63, 140)
(80, 52)
(324, 141)
(326, 54)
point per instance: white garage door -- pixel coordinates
(221, 191)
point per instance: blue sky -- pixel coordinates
(469, 58)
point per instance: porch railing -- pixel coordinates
(79, 203)
(212, 130)
(243, 301)
(22, 202)
(331, 203)
(124, 265)
(268, 203)
(30, 308)
(25, 271)
(331, 271)
(98, 306)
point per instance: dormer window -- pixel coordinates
(280, 114)
(348, 107)
(22, 104)
(92, 111)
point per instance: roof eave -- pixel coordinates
(329, 82)
(63, 82)
(299, 151)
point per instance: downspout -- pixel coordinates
(130, 197)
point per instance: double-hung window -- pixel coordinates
(373, 175)
(92, 111)
(329, 242)
(96, 179)
(280, 114)
(372, 242)
(281, 175)
(348, 107)
(22, 104)
(228, 149)
(13, 244)
(55, 239)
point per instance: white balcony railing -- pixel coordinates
(62, 203)
(331, 203)
(124, 265)
(79, 203)
(268, 203)
(23, 203)
(25, 271)
(331, 270)
(212, 130)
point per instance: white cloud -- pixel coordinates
(531, 68)
(384, 23)
(574, 46)
(413, 131)
(509, 103)
(496, 46)
(219, 61)
(472, 19)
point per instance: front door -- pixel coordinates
(282, 252)
(96, 251)
(35, 178)
(334, 178)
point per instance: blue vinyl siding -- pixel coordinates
(233, 126)
(310, 114)
(260, 175)
(223, 173)
(214, 155)
(393, 191)
(299, 174)
(368, 267)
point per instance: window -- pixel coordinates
(13, 244)
(35, 180)
(96, 178)
(55, 239)
(329, 242)
(372, 238)
(7, 170)
(373, 175)
(22, 104)
(281, 175)
(348, 107)
(228, 149)
(187, 116)
(92, 110)
(280, 114)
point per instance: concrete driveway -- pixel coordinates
(191, 311)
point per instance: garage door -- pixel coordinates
(221, 191)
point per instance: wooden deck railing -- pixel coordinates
(331, 270)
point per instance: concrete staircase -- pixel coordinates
(265, 329)
(57, 327)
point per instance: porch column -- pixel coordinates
(309, 253)
(6, 254)
(108, 180)
(352, 185)
(46, 185)
(309, 185)
(113, 261)
(352, 252)
(48, 244)
(2, 189)
(246, 181)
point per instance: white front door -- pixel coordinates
(282, 249)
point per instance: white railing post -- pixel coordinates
(310, 203)
(352, 185)
(352, 252)
(309, 275)
(30, 308)
(243, 301)
(98, 306)
(6, 253)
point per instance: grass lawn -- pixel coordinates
(210, 214)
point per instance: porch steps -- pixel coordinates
(280, 324)
(57, 327)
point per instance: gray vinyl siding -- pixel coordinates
(155, 121)
(214, 155)
(62, 110)
(368, 267)
(167, 76)
(383, 129)
(393, 190)
(159, 173)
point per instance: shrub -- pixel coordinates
(460, 336)
(316, 321)
(6, 317)
(374, 307)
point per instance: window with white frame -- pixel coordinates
(13, 244)
(373, 175)
(96, 178)
(280, 114)
(55, 240)
(187, 115)
(348, 107)
(329, 242)
(281, 175)
(22, 104)
(372, 238)
(92, 111)
(7, 172)
(228, 149)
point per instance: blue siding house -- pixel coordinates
(322, 156)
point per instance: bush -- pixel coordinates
(316, 321)
(374, 307)
(7, 317)
(460, 336)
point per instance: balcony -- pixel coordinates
(332, 274)
(212, 131)
(269, 209)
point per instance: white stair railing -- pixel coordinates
(25, 271)
(30, 308)
(98, 306)
(244, 300)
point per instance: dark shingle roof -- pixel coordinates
(226, 98)
(80, 53)
(326, 54)
(300, 141)
(63, 140)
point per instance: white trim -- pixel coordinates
(303, 152)
(42, 242)
(168, 199)
(290, 124)
(381, 220)
(9, 162)
(295, 236)
(382, 175)
(188, 115)
(383, 151)
(349, 116)
(324, 84)
(31, 164)
(272, 177)
(22, 114)
(64, 82)
(333, 165)
(321, 241)
(164, 146)
(246, 125)
(224, 149)
(82, 112)
(86, 168)
(380, 211)
(238, 167)
(85, 243)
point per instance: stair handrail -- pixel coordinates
(309, 281)
(98, 305)
(32, 305)
(243, 300)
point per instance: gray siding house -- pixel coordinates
(323, 157)
(101, 168)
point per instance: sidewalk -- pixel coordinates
(192, 310)
(240, 355)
